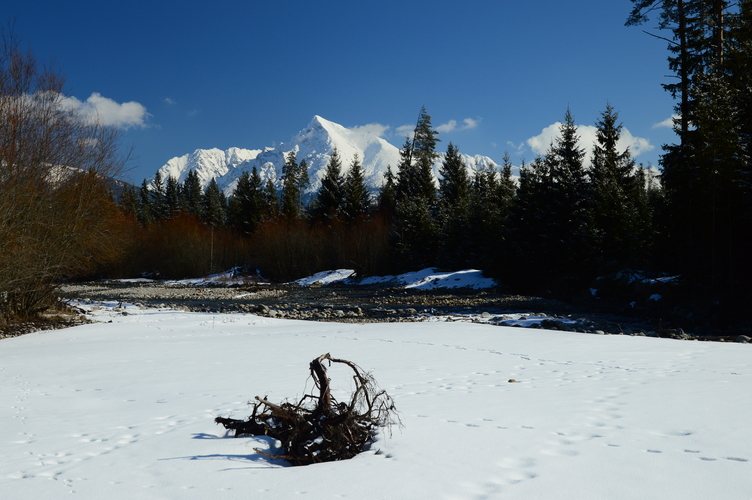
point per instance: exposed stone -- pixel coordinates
(361, 305)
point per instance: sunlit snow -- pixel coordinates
(431, 278)
(124, 408)
(426, 279)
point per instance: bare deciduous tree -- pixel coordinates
(57, 217)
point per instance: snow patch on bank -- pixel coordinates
(326, 277)
(425, 279)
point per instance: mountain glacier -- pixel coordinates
(315, 144)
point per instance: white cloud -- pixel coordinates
(518, 149)
(540, 143)
(451, 125)
(667, 123)
(470, 123)
(371, 129)
(167, 100)
(447, 127)
(109, 112)
(637, 145)
(405, 130)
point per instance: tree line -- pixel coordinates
(558, 227)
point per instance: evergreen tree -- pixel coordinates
(129, 200)
(147, 213)
(356, 201)
(328, 202)
(698, 40)
(507, 187)
(424, 153)
(159, 198)
(551, 230)
(192, 195)
(425, 138)
(415, 241)
(617, 195)
(648, 199)
(705, 191)
(454, 210)
(406, 180)
(706, 177)
(303, 180)
(738, 66)
(529, 229)
(294, 181)
(246, 204)
(388, 193)
(172, 196)
(417, 156)
(215, 205)
(492, 195)
(571, 193)
(454, 184)
(269, 201)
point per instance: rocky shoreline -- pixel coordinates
(367, 304)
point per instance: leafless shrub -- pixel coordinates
(57, 218)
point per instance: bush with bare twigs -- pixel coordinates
(319, 428)
(57, 216)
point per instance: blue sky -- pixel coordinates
(178, 76)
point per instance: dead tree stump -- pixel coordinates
(319, 428)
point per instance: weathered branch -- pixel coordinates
(318, 371)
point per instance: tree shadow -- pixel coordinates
(253, 460)
(203, 435)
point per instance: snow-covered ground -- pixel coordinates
(125, 410)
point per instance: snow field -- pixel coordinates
(125, 410)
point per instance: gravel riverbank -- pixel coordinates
(362, 304)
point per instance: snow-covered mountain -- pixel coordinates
(208, 163)
(314, 143)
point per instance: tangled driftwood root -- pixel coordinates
(319, 428)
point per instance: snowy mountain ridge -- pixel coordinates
(315, 144)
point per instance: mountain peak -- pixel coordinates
(314, 144)
(318, 120)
